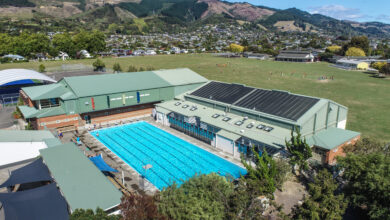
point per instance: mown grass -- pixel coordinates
(367, 98)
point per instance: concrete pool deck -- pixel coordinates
(133, 180)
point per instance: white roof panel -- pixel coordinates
(13, 152)
(11, 75)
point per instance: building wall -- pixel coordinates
(363, 66)
(26, 100)
(338, 151)
(329, 115)
(57, 121)
(103, 102)
(119, 113)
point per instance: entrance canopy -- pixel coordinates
(33, 172)
(44, 202)
(101, 164)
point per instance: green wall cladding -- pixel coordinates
(116, 100)
(328, 116)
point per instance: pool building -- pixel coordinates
(233, 117)
(81, 100)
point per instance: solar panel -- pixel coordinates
(222, 92)
(278, 103)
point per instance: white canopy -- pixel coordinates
(13, 152)
(11, 75)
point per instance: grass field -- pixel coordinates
(367, 98)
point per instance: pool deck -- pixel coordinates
(133, 181)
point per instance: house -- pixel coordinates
(14, 57)
(351, 64)
(63, 56)
(150, 52)
(295, 56)
(258, 56)
(85, 54)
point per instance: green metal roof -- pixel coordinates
(181, 76)
(85, 86)
(51, 142)
(275, 138)
(228, 135)
(80, 181)
(24, 136)
(30, 112)
(45, 91)
(331, 138)
(27, 112)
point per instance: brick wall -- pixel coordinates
(26, 100)
(123, 115)
(339, 151)
(58, 121)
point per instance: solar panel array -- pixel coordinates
(222, 92)
(278, 103)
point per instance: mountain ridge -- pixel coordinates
(186, 11)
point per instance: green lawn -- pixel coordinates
(367, 98)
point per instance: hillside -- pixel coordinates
(101, 13)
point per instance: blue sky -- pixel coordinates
(355, 10)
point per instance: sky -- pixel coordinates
(355, 10)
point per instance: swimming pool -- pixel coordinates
(171, 158)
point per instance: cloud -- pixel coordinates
(339, 12)
(383, 17)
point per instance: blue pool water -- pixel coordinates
(172, 159)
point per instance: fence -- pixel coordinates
(9, 99)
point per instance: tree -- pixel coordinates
(6, 44)
(117, 68)
(367, 146)
(355, 52)
(132, 69)
(385, 69)
(333, 49)
(98, 65)
(200, 197)
(139, 207)
(64, 43)
(367, 178)
(361, 42)
(97, 42)
(378, 65)
(89, 214)
(262, 177)
(323, 203)
(299, 150)
(235, 48)
(41, 68)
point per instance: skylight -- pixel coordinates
(226, 119)
(215, 115)
(239, 123)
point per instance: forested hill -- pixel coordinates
(170, 14)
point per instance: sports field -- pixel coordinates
(367, 98)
